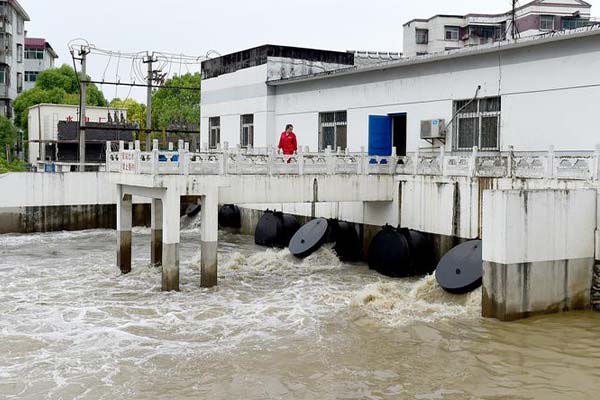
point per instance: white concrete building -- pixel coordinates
(43, 122)
(12, 40)
(530, 95)
(447, 32)
(39, 56)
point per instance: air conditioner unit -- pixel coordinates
(433, 129)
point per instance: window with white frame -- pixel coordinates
(34, 54)
(422, 36)
(20, 25)
(247, 130)
(3, 80)
(31, 76)
(546, 22)
(451, 32)
(333, 130)
(477, 123)
(214, 132)
(19, 53)
(19, 82)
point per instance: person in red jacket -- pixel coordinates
(287, 142)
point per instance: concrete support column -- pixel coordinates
(538, 251)
(156, 232)
(208, 243)
(124, 213)
(170, 247)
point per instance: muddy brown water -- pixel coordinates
(72, 327)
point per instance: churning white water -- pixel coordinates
(73, 327)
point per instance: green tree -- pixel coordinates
(8, 136)
(175, 106)
(54, 86)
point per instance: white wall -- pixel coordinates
(548, 95)
(231, 95)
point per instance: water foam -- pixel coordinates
(403, 302)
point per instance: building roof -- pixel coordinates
(531, 3)
(258, 56)
(19, 9)
(549, 37)
(39, 43)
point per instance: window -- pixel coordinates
(477, 123)
(422, 36)
(214, 132)
(247, 130)
(2, 76)
(19, 53)
(574, 22)
(333, 130)
(547, 22)
(34, 54)
(20, 24)
(451, 32)
(31, 76)
(19, 82)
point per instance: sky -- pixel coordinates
(196, 27)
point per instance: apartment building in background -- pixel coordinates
(39, 56)
(448, 32)
(12, 49)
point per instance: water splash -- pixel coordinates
(190, 224)
(403, 302)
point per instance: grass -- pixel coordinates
(15, 166)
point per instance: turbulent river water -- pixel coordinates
(73, 327)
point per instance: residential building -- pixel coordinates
(527, 95)
(449, 32)
(39, 56)
(12, 41)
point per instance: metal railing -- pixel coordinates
(581, 165)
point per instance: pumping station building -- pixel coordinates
(496, 141)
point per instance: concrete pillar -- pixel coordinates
(538, 251)
(208, 242)
(124, 213)
(156, 232)
(170, 247)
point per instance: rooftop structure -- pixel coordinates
(449, 32)
(39, 56)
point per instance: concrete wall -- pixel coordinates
(232, 95)
(538, 251)
(526, 79)
(40, 202)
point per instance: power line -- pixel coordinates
(142, 85)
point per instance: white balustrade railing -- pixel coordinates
(253, 161)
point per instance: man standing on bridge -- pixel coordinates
(287, 141)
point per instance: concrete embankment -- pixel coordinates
(41, 202)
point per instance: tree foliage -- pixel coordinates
(54, 86)
(8, 135)
(177, 106)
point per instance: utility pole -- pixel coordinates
(149, 59)
(514, 31)
(83, 52)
